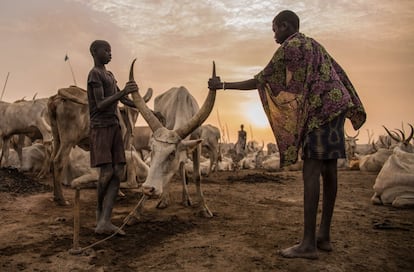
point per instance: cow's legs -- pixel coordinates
(5, 151)
(19, 148)
(186, 200)
(204, 211)
(47, 137)
(58, 167)
(165, 198)
(46, 164)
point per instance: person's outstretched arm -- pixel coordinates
(216, 83)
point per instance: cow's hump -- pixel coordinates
(74, 94)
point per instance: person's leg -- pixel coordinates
(105, 176)
(307, 248)
(109, 201)
(330, 181)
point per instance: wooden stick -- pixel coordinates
(76, 224)
(4, 87)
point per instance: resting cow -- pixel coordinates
(394, 184)
(81, 174)
(33, 158)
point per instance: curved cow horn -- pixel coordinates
(148, 95)
(402, 135)
(202, 114)
(393, 136)
(261, 148)
(139, 102)
(411, 134)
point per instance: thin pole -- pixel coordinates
(76, 224)
(251, 132)
(227, 130)
(71, 69)
(4, 87)
(223, 136)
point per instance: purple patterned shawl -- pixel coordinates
(302, 88)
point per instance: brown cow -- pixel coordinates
(69, 118)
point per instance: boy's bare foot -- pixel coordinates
(324, 245)
(299, 252)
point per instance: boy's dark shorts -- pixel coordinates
(326, 142)
(106, 146)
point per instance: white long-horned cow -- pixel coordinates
(375, 161)
(69, 118)
(395, 182)
(169, 144)
(23, 117)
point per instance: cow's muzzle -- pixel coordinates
(150, 191)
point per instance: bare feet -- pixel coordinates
(108, 229)
(324, 245)
(299, 252)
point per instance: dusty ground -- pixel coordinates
(255, 215)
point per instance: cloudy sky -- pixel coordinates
(175, 43)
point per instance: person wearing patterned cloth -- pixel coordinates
(306, 96)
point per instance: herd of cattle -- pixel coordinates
(49, 136)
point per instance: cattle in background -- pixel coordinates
(82, 175)
(170, 144)
(253, 159)
(210, 144)
(394, 184)
(24, 118)
(225, 149)
(142, 137)
(33, 157)
(253, 146)
(271, 148)
(375, 161)
(350, 146)
(69, 118)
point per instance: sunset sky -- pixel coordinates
(175, 43)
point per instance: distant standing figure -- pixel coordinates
(241, 140)
(306, 96)
(106, 144)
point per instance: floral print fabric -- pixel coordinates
(301, 89)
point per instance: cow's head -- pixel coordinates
(350, 145)
(403, 142)
(167, 146)
(167, 151)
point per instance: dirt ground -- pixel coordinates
(256, 213)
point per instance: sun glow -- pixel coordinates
(256, 116)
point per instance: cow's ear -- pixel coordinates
(188, 144)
